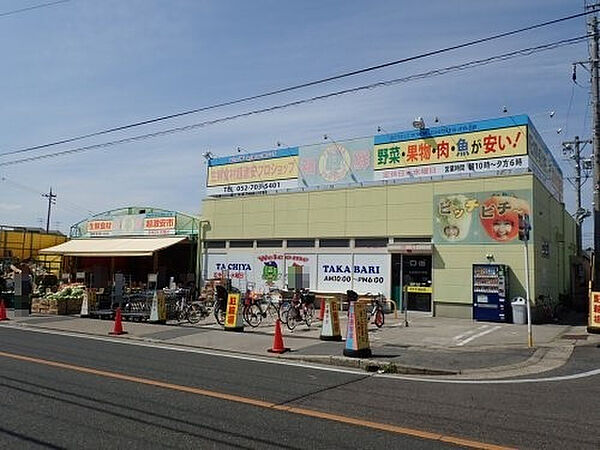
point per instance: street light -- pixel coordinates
(419, 123)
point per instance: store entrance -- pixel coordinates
(412, 271)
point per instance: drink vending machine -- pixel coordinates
(490, 293)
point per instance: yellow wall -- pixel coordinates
(25, 244)
(555, 226)
(405, 210)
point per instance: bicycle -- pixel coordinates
(190, 311)
(375, 311)
(273, 305)
(220, 305)
(252, 311)
(301, 309)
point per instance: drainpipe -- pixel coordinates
(202, 226)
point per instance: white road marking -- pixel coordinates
(303, 364)
(575, 376)
(468, 333)
(200, 351)
(478, 335)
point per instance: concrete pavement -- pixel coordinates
(459, 348)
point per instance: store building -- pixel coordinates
(415, 208)
(133, 244)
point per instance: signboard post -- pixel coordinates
(594, 315)
(524, 229)
(233, 315)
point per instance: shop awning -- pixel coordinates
(113, 246)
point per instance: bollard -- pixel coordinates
(357, 336)
(330, 331)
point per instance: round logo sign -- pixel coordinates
(334, 163)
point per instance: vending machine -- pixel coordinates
(490, 293)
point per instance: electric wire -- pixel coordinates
(419, 76)
(22, 10)
(569, 110)
(303, 85)
(65, 203)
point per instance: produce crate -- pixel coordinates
(57, 307)
(35, 305)
(74, 305)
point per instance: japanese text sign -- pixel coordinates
(594, 317)
(480, 217)
(473, 146)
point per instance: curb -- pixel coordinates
(544, 358)
(369, 365)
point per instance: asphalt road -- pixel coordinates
(178, 400)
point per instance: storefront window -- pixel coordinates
(241, 244)
(334, 242)
(295, 243)
(269, 243)
(214, 244)
(371, 242)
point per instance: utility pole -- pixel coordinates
(593, 30)
(572, 149)
(51, 201)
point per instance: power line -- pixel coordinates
(22, 10)
(423, 75)
(300, 86)
(64, 203)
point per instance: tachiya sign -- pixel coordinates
(479, 217)
(321, 272)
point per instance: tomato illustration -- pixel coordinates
(499, 216)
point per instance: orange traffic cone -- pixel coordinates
(118, 329)
(278, 340)
(2, 311)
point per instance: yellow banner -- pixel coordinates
(452, 148)
(594, 317)
(233, 306)
(252, 171)
(362, 327)
(419, 289)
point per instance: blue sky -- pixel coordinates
(84, 65)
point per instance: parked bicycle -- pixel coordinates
(190, 311)
(301, 309)
(375, 311)
(252, 311)
(220, 304)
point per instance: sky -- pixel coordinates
(81, 66)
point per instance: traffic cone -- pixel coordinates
(322, 310)
(2, 311)
(278, 340)
(118, 329)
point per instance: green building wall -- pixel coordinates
(405, 211)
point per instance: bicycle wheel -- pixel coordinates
(379, 318)
(284, 310)
(193, 313)
(292, 316)
(272, 311)
(219, 314)
(309, 314)
(252, 315)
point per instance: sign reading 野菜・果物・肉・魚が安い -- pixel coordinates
(487, 147)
